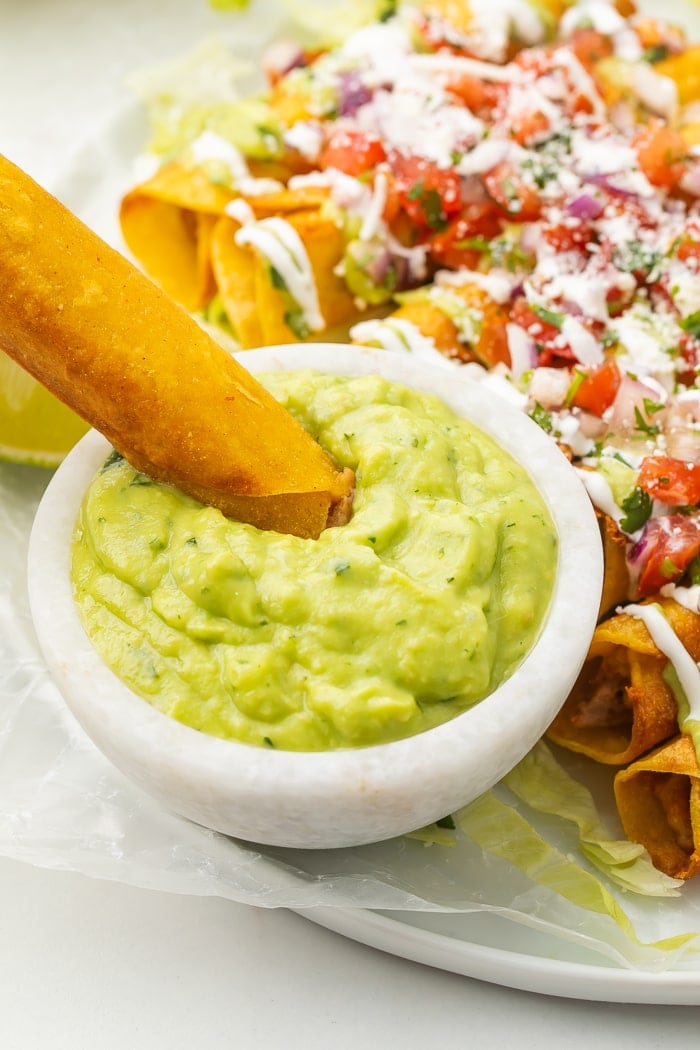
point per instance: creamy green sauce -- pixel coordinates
(398, 621)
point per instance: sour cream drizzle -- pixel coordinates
(279, 242)
(667, 641)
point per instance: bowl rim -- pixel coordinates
(100, 692)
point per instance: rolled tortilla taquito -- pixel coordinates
(620, 706)
(658, 799)
(168, 223)
(616, 580)
(106, 341)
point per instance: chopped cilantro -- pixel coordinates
(656, 53)
(542, 417)
(637, 507)
(552, 317)
(691, 324)
(642, 425)
(431, 204)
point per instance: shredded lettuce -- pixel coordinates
(502, 831)
(328, 25)
(544, 785)
(201, 92)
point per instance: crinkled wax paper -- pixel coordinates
(63, 805)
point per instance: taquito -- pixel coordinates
(620, 706)
(658, 799)
(107, 342)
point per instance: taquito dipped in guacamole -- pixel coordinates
(397, 621)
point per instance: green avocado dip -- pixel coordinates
(395, 622)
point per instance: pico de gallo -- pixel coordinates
(518, 188)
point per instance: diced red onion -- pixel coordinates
(352, 94)
(604, 182)
(585, 207)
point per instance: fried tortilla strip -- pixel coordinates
(167, 223)
(616, 577)
(620, 706)
(117, 350)
(235, 269)
(658, 799)
(473, 328)
(259, 309)
(433, 323)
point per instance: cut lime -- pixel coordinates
(35, 427)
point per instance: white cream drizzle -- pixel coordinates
(400, 335)
(281, 245)
(667, 641)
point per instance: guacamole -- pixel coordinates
(395, 622)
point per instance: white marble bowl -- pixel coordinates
(339, 798)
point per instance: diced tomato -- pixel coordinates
(589, 46)
(518, 199)
(551, 350)
(351, 151)
(454, 247)
(662, 154)
(688, 249)
(597, 391)
(529, 127)
(670, 480)
(480, 96)
(570, 236)
(666, 548)
(537, 60)
(430, 195)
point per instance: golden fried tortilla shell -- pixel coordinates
(433, 323)
(616, 576)
(257, 307)
(235, 269)
(106, 341)
(658, 799)
(620, 706)
(167, 224)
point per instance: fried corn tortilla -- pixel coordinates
(620, 706)
(658, 799)
(258, 308)
(107, 342)
(169, 224)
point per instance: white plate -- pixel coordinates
(484, 945)
(493, 951)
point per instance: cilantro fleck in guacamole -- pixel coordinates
(398, 621)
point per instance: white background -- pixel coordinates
(89, 964)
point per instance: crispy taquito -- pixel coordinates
(111, 345)
(658, 799)
(621, 706)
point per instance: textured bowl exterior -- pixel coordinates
(340, 798)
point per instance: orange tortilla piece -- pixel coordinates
(658, 799)
(106, 341)
(616, 583)
(620, 706)
(167, 225)
(257, 308)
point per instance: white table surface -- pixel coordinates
(99, 965)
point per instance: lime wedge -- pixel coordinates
(35, 427)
